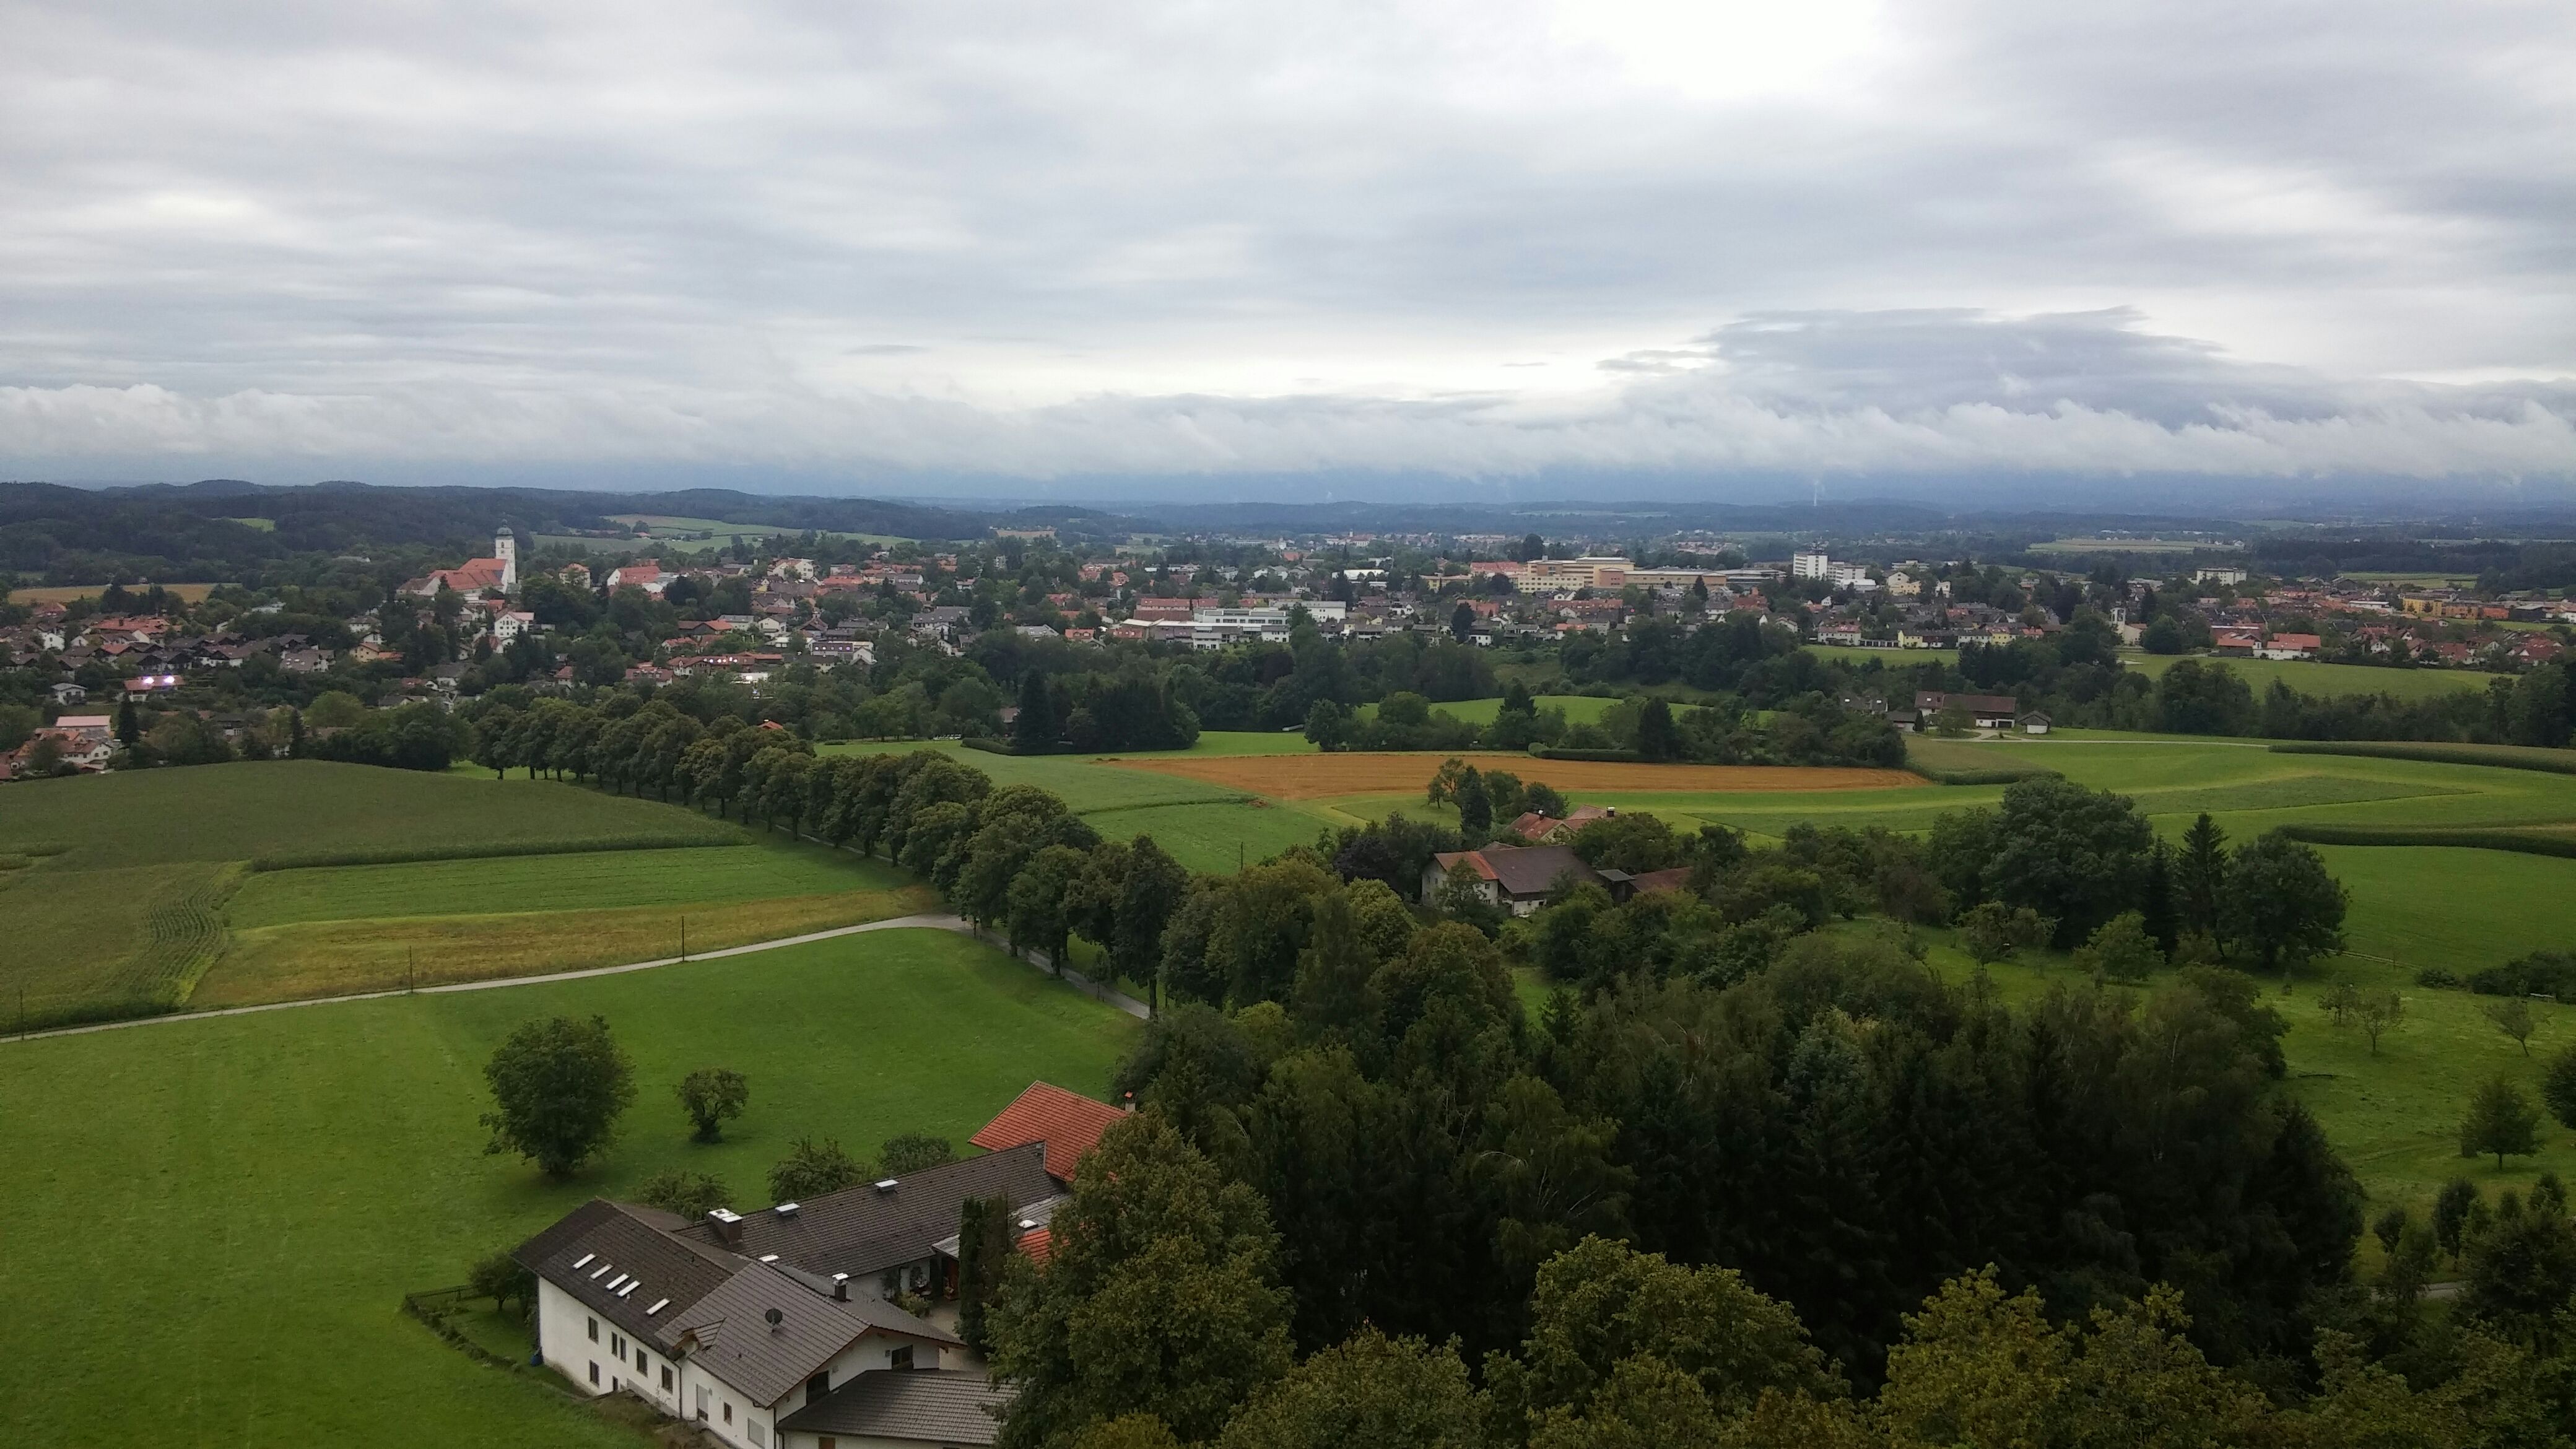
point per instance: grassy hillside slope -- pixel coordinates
(238, 1205)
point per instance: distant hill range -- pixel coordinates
(227, 529)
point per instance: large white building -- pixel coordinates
(745, 1323)
(778, 1329)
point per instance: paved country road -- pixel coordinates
(934, 922)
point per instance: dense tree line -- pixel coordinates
(1806, 730)
(1367, 1196)
(1741, 1178)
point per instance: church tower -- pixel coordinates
(506, 548)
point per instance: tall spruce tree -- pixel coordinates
(2156, 900)
(1475, 808)
(1035, 729)
(2200, 876)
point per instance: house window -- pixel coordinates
(759, 1439)
(900, 1357)
(594, 1375)
(817, 1386)
(594, 1330)
(702, 1403)
(728, 1411)
(666, 1378)
(617, 1344)
(640, 1361)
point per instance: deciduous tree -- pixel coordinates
(711, 1095)
(2279, 903)
(2500, 1121)
(811, 1169)
(690, 1194)
(1372, 1390)
(558, 1086)
(911, 1152)
(2512, 1016)
(1160, 1296)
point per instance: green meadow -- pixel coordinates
(1578, 708)
(133, 893)
(1892, 658)
(313, 809)
(1206, 827)
(239, 1204)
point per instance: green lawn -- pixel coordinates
(1076, 779)
(2256, 789)
(596, 880)
(133, 892)
(1893, 658)
(233, 1207)
(2465, 909)
(2310, 677)
(1216, 837)
(1240, 742)
(1579, 708)
(311, 808)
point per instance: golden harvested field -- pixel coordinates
(1315, 777)
(66, 593)
(339, 958)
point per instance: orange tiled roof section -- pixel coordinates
(1069, 1123)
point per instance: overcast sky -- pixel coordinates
(1693, 248)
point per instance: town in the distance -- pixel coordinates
(815, 973)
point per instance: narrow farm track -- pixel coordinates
(926, 922)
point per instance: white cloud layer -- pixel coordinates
(994, 239)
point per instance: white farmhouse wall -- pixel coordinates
(564, 1329)
(707, 1400)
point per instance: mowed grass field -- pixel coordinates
(1205, 825)
(1892, 658)
(1578, 708)
(332, 931)
(233, 1207)
(144, 892)
(1312, 777)
(314, 809)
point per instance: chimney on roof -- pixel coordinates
(727, 1223)
(840, 1287)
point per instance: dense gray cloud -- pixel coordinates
(1026, 241)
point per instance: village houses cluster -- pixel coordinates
(785, 613)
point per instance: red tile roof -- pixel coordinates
(1038, 1244)
(1069, 1123)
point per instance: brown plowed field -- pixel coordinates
(1314, 777)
